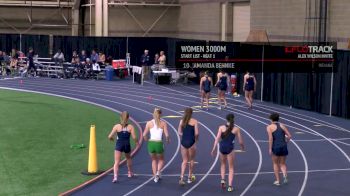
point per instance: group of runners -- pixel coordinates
(156, 131)
(222, 83)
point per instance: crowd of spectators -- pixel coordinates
(83, 64)
(80, 66)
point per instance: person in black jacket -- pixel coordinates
(146, 66)
(30, 61)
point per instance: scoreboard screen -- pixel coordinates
(256, 57)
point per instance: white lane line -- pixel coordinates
(138, 91)
(346, 144)
(252, 173)
(313, 140)
(158, 95)
(252, 138)
(272, 108)
(144, 88)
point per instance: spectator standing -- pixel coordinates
(30, 61)
(145, 63)
(162, 58)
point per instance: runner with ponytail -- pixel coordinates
(226, 138)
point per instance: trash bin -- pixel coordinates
(109, 74)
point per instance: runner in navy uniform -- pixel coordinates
(279, 136)
(123, 132)
(188, 131)
(204, 88)
(226, 137)
(249, 87)
(222, 84)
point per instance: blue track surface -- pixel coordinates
(318, 162)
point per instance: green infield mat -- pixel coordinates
(44, 142)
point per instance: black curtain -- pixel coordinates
(341, 85)
(9, 41)
(40, 44)
(137, 45)
(278, 88)
(348, 96)
(111, 46)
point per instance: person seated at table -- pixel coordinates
(83, 57)
(58, 58)
(101, 58)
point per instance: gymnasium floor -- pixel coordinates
(318, 160)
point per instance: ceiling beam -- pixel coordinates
(76, 4)
(138, 4)
(35, 3)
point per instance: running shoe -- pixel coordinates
(223, 183)
(191, 179)
(130, 174)
(156, 179)
(230, 189)
(115, 179)
(181, 182)
(285, 180)
(277, 183)
(159, 175)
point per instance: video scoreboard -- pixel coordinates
(256, 57)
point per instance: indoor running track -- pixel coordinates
(318, 160)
